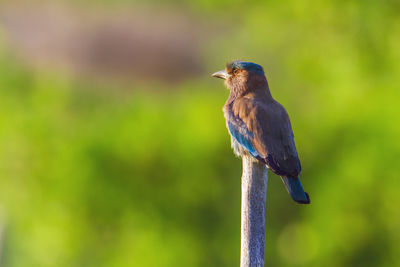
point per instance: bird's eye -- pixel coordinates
(235, 70)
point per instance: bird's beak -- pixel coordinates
(221, 74)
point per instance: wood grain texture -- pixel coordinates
(254, 194)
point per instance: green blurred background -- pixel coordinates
(113, 147)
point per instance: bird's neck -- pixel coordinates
(257, 88)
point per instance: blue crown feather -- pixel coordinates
(248, 66)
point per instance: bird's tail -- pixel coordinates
(295, 189)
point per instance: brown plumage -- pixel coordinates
(270, 124)
(259, 125)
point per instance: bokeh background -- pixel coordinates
(113, 147)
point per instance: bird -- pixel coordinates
(260, 126)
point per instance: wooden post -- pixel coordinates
(254, 194)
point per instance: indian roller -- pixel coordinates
(259, 126)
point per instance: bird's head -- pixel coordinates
(239, 76)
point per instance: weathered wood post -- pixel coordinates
(254, 194)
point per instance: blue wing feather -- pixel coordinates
(239, 131)
(243, 139)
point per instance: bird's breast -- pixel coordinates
(238, 149)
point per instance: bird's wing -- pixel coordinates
(265, 131)
(239, 130)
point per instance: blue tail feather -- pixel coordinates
(295, 189)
